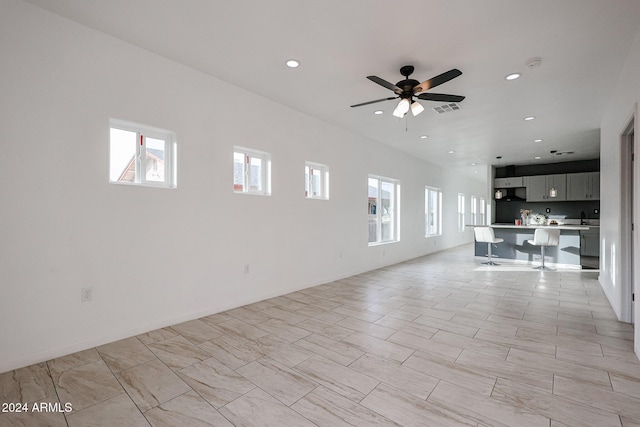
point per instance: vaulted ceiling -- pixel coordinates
(582, 45)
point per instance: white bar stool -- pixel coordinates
(544, 237)
(486, 235)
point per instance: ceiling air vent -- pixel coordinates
(446, 108)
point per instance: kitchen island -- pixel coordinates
(516, 247)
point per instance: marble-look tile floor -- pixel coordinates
(436, 341)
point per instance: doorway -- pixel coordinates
(627, 210)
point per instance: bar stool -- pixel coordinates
(544, 237)
(486, 235)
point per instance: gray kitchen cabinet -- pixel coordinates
(536, 188)
(539, 187)
(583, 186)
(590, 242)
(595, 186)
(512, 182)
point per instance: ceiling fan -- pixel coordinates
(408, 88)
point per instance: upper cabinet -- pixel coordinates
(583, 186)
(539, 188)
(508, 182)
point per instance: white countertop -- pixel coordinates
(533, 227)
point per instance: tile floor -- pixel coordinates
(437, 341)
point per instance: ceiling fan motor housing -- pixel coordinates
(408, 84)
(407, 87)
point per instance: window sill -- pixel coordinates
(147, 185)
(383, 243)
(252, 193)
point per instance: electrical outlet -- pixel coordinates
(87, 294)
(247, 269)
(596, 211)
(548, 210)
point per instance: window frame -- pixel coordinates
(461, 212)
(309, 168)
(142, 133)
(394, 214)
(474, 210)
(265, 171)
(483, 211)
(438, 211)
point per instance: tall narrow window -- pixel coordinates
(316, 181)
(251, 171)
(141, 155)
(474, 210)
(460, 212)
(383, 209)
(432, 211)
(483, 212)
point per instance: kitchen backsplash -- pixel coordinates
(507, 212)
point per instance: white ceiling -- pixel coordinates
(583, 45)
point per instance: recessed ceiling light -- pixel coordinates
(513, 76)
(537, 157)
(378, 112)
(475, 171)
(451, 151)
(424, 136)
(537, 140)
(529, 118)
(473, 164)
(292, 63)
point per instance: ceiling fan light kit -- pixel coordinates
(402, 108)
(416, 108)
(408, 88)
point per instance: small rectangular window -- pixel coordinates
(483, 212)
(316, 181)
(251, 171)
(141, 155)
(433, 211)
(474, 210)
(383, 210)
(460, 212)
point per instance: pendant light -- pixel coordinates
(498, 195)
(552, 191)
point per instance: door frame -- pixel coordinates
(629, 258)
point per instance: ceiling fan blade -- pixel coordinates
(377, 100)
(437, 80)
(440, 97)
(383, 82)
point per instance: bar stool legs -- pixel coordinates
(489, 259)
(542, 267)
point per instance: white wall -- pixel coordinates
(622, 108)
(155, 257)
